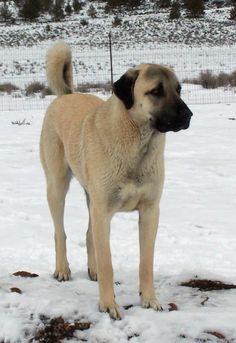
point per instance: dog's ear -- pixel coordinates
(123, 88)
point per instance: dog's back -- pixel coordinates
(65, 115)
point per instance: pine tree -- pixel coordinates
(30, 9)
(195, 8)
(5, 14)
(77, 6)
(175, 10)
(128, 4)
(57, 12)
(233, 13)
(47, 5)
(68, 9)
(164, 3)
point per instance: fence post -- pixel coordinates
(111, 62)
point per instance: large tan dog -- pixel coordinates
(115, 149)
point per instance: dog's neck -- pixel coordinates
(139, 137)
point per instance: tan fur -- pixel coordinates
(119, 162)
(59, 68)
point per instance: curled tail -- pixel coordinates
(59, 68)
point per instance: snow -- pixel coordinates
(196, 237)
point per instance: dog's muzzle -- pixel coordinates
(175, 119)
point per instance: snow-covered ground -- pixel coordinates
(196, 236)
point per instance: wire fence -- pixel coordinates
(92, 70)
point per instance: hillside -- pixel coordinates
(144, 26)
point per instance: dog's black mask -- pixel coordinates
(175, 117)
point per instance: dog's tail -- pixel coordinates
(59, 68)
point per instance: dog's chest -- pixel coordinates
(138, 185)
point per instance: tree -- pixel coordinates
(77, 6)
(195, 8)
(57, 12)
(68, 9)
(5, 14)
(47, 5)
(30, 9)
(164, 3)
(233, 13)
(128, 4)
(175, 10)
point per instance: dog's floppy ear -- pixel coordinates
(123, 88)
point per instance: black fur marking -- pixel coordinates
(123, 88)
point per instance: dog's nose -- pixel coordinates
(183, 109)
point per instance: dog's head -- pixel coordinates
(151, 93)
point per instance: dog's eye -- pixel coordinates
(158, 91)
(178, 89)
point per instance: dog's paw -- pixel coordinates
(150, 303)
(92, 274)
(63, 274)
(112, 308)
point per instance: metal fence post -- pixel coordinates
(111, 62)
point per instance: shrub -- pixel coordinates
(208, 80)
(84, 22)
(8, 88)
(34, 87)
(87, 87)
(116, 21)
(92, 11)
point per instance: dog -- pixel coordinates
(115, 149)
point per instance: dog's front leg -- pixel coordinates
(148, 222)
(100, 229)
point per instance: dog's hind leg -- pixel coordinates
(58, 177)
(92, 265)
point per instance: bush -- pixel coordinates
(92, 11)
(87, 87)
(8, 88)
(208, 80)
(34, 87)
(116, 21)
(84, 22)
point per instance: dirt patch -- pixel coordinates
(207, 285)
(57, 329)
(25, 274)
